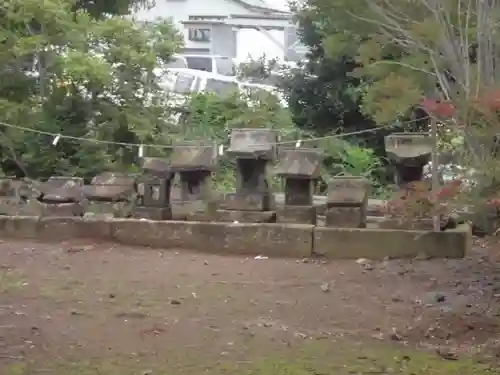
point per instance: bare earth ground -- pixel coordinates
(86, 308)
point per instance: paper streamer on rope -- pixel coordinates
(56, 140)
(221, 150)
(140, 152)
(297, 145)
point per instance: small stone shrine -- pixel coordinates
(110, 195)
(153, 188)
(253, 150)
(300, 168)
(194, 165)
(62, 196)
(347, 202)
(408, 153)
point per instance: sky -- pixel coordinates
(256, 44)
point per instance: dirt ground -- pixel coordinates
(84, 308)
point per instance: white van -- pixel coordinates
(222, 65)
(189, 81)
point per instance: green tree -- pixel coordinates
(323, 94)
(445, 52)
(79, 70)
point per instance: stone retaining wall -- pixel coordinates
(276, 240)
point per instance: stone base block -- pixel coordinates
(377, 244)
(346, 217)
(183, 210)
(394, 223)
(296, 214)
(10, 206)
(230, 216)
(153, 213)
(249, 202)
(62, 209)
(109, 209)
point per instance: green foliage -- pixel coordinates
(65, 68)
(357, 161)
(405, 49)
(257, 70)
(324, 93)
(213, 117)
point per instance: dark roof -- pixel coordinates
(259, 5)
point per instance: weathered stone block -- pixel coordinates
(350, 243)
(299, 191)
(10, 206)
(19, 227)
(59, 189)
(235, 216)
(346, 217)
(300, 163)
(253, 144)
(411, 149)
(248, 202)
(347, 191)
(182, 210)
(62, 228)
(159, 167)
(156, 191)
(287, 240)
(251, 176)
(108, 193)
(395, 223)
(194, 157)
(152, 213)
(96, 209)
(62, 209)
(113, 178)
(296, 214)
(195, 185)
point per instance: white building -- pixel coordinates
(211, 26)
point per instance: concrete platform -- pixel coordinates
(269, 239)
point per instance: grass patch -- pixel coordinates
(11, 281)
(317, 358)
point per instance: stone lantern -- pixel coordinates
(154, 190)
(300, 169)
(409, 153)
(253, 150)
(347, 202)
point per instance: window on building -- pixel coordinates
(199, 35)
(199, 63)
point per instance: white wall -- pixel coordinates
(249, 42)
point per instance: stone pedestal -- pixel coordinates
(153, 213)
(300, 168)
(194, 164)
(62, 209)
(231, 216)
(153, 189)
(347, 202)
(253, 150)
(346, 217)
(61, 196)
(110, 195)
(251, 201)
(296, 214)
